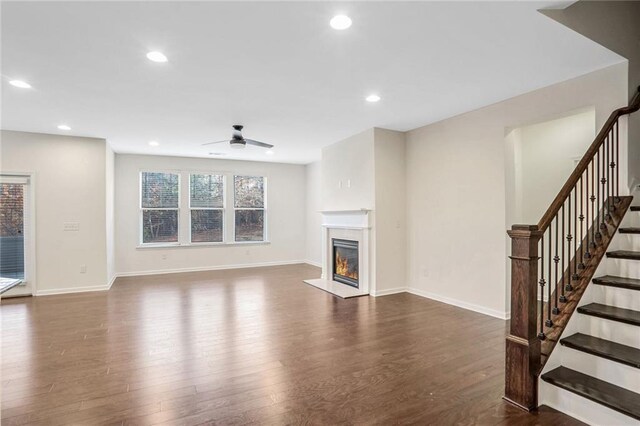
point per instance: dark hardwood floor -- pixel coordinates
(251, 346)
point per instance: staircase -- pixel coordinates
(575, 280)
(595, 374)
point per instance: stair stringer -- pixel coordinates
(621, 375)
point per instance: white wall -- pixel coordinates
(457, 186)
(620, 34)
(548, 152)
(390, 215)
(313, 219)
(347, 172)
(285, 217)
(70, 186)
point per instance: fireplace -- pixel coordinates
(345, 262)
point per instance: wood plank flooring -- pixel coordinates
(250, 346)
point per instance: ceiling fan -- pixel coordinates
(237, 141)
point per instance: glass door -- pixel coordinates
(15, 234)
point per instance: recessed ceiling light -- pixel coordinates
(157, 57)
(154, 143)
(340, 22)
(21, 84)
(64, 127)
(269, 152)
(373, 98)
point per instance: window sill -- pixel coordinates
(195, 245)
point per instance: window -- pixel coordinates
(12, 215)
(249, 208)
(159, 203)
(182, 208)
(206, 201)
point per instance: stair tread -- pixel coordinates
(622, 282)
(624, 254)
(630, 230)
(604, 393)
(611, 312)
(604, 348)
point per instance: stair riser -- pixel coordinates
(618, 297)
(614, 331)
(578, 407)
(631, 220)
(610, 371)
(623, 268)
(627, 242)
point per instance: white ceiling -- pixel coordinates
(277, 68)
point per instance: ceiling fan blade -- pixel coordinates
(212, 143)
(257, 143)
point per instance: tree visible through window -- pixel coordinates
(160, 194)
(249, 205)
(207, 208)
(12, 230)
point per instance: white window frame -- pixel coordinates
(264, 209)
(142, 209)
(223, 209)
(184, 209)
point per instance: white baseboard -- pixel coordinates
(388, 291)
(208, 268)
(313, 263)
(461, 304)
(68, 290)
(111, 281)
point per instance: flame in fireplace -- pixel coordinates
(342, 267)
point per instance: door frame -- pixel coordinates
(29, 287)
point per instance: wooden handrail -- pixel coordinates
(554, 208)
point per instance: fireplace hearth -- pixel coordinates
(345, 262)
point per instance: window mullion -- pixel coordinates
(184, 213)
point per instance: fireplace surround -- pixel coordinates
(351, 230)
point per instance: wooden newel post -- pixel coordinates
(523, 346)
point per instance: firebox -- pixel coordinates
(345, 261)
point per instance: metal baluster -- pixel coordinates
(541, 335)
(603, 181)
(549, 323)
(598, 199)
(587, 253)
(581, 217)
(567, 286)
(575, 234)
(563, 299)
(593, 211)
(556, 259)
(617, 163)
(608, 143)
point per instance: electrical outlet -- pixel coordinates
(348, 183)
(83, 269)
(424, 272)
(164, 257)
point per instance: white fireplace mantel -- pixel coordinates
(346, 219)
(350, 225)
